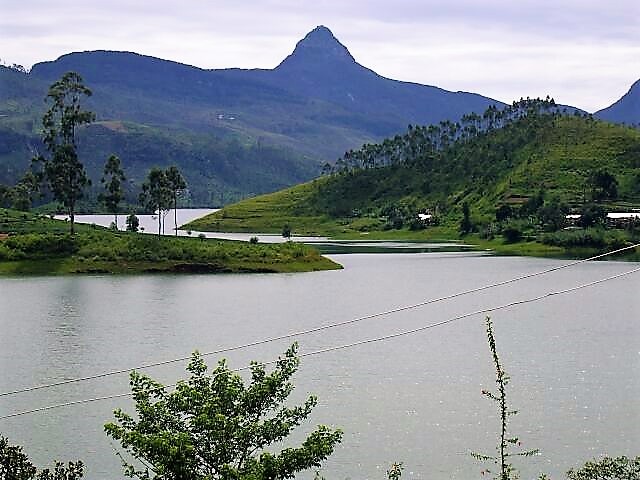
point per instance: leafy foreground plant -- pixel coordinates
(395, 471)
(15, 465)
(619, 468)
(506, 443)
(213, 426)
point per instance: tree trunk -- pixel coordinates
(175, 214)
(72, 219)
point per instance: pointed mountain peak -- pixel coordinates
(319, 46)
(319, 36)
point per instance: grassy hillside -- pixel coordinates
(39, 245)
(549, 157)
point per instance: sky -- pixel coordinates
(584, 53)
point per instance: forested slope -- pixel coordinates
(528, 153)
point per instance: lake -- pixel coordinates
(149, 224)
(574, 359)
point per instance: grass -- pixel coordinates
(42, 246)
(269, 213)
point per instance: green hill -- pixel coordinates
(523, 160)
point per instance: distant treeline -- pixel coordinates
(422, 144)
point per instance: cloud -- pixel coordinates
(574, 50)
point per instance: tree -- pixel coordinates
(19, 197)
(466, 226)
(132, 223)
(5, 195)
(176, 184)
(286, 231)
(63, 172)
(503, 212)
(214, 426)
(15, 465)
(505, 444)
(592, 215)
(155, 195)
(22, 194)
(604, 185)
(553, 215)
(112, 179)
(532, 205)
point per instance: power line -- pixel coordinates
(322, 327)
(362, 342)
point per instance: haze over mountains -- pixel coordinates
(234, 132)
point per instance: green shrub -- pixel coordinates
(34, 245)
(588, 237)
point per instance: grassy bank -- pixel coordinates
(41, 246)
(256, 215)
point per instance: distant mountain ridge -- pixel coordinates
(239, 132)
(626, 110)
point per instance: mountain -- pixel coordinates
(320, 66)
(235, 132)
(626, 110)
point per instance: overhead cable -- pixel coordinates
(361, 342)
(320, 328)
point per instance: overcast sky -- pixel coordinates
(584, 53)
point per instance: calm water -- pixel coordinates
(149, 224)
(574, 360)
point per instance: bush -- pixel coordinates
(515, 230)
(512, 233)
(416, 224)
(589, 237)
(34, 245)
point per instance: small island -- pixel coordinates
(32, 244)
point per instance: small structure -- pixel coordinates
(614, 219)
(572, 219)
(622, 219)
(425, 218)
